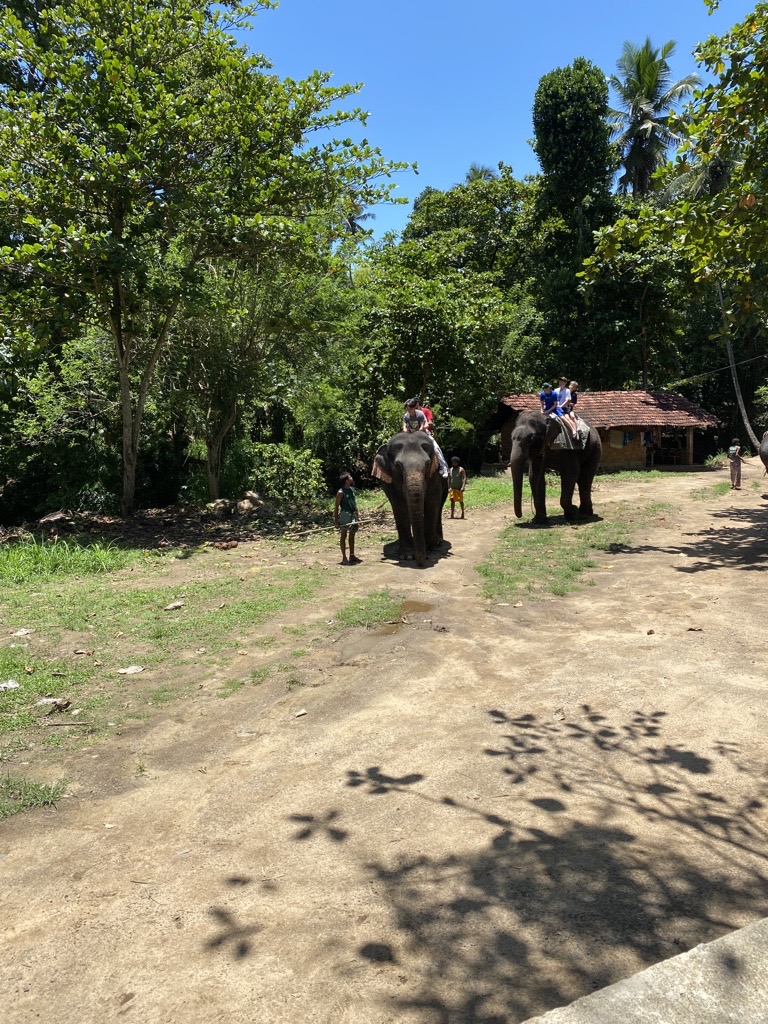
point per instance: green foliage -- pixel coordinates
(192, 150)
(647, 96)
(275, 471)
(27, 560)
(571, 134)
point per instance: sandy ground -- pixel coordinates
(486, 811)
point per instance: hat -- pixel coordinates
(545, 386)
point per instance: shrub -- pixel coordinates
(275, 471)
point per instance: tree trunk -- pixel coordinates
(214, 447)
(734, 375)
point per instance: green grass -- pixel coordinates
(534, 562)
(230, 686)
(377, 607)
(214, 610)
(46, 679)
(483, 491)
(633, 474)
(17, 794)
(31, 560)
(715, 491)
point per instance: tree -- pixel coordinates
(647, 96)
(138, 140)
(571, 138)
(479, 172)
(720, 231)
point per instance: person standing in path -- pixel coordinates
(345, 518)
(457, 481)
(735, 460)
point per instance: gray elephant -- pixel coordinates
(532, 438)
(408, 469)
(763, 450)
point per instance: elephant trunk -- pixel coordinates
(517, 468)
(415, 492)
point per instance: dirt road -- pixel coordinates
(485, 812)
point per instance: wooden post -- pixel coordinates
(689, 446)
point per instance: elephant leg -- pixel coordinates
(434, 517)
(539, 491)
(569, 474)
(586, 478)
(403, 524)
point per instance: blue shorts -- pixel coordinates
(559, 411)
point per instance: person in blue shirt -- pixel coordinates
(548, 399)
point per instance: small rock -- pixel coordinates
(650, 632)
(130, 671)
(300, 713)
(9, 684)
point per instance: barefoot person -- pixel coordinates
(345, 518)
(457, 481)
(735, 460)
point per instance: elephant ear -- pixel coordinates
(381, 469)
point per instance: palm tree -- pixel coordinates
(647, 96)
(479, 172)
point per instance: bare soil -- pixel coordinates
(486, 811)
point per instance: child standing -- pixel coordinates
(457, 481)
(735, 460)
(345, 518)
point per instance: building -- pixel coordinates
(637, 428)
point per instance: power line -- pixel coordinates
(711, 373)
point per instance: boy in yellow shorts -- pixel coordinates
(457, 481)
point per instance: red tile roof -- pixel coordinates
(611, 409)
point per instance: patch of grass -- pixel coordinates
(17, 794)
(483, 491)
(757, 485)
(534, 562)
(31, 560)
(164, 694)
(377, 607)
(293, 682)
(215, 610)
(717, 461)
(230, 686)
(715, 491)
(632, 474)
(36, 679)
(260, 675)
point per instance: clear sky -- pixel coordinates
(451, 83)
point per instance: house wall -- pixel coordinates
(626, 456)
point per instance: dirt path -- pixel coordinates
(483, 814)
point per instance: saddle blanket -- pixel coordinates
(565, 439)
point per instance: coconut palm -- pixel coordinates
(647, 97)
(479, 172)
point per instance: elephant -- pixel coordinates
(408, 468)
(532, 438)
(763, 451)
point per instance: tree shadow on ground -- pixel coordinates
(738, 541)
(616, 848)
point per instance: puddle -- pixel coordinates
(410, 607)
(388, 629)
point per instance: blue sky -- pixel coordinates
(449, 83)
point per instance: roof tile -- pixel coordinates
(611, 409)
